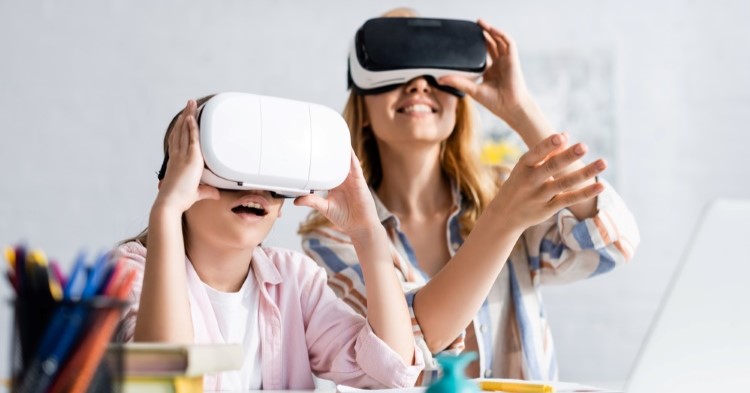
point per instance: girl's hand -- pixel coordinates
(535, 188)
(349, 206)
(503, 89)
(181, 186)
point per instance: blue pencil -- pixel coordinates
(66, 328)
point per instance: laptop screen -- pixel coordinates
(700, 338)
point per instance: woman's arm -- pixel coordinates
(533, 192)
(446, 305)
(351, 207)
(503, 91)
(164, 312)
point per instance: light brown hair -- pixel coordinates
(458, 158)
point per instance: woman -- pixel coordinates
(472, 250)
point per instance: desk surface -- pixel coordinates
(330, 388)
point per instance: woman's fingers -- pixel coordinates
(539, 153)
(558, 161)
(504, 43)
(547, 163)
(462, 84)
(500, 45)
(570, 198)
(500, 35)
(491, 45)
(576, 178)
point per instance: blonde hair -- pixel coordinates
(143, 236)
(458, 158)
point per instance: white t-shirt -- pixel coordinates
(237, 315)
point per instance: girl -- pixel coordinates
(206, 278)
(472, 250)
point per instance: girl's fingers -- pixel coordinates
(566, 199)
(207, 192)
(354, 165)
(174, 136)
(193, 136)
(539, 153)
(313, 201)
(184, 143)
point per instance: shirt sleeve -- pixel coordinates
(334, 252)
(342, 345)
(564, 249)
(134, 255)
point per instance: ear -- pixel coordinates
(281, 208)
(158, 186)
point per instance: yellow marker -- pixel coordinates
(516, 387)
(10, 256)
(38, 257)
(54, 286)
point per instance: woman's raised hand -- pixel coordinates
(503, 89)
(181, 186)
(350, 205)
(536, 188)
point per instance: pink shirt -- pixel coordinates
(304, 328)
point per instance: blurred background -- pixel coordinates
(661, 89)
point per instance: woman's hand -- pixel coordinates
(181, 186)
(537, 188)
(350, 205)
(503, 89)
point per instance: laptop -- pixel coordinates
(700, 339)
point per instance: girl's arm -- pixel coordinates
(350, 207)
(164, 312)
(503, 91)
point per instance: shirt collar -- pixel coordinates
(265, 270)
(384, 214)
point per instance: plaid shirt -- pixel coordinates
(562, 249)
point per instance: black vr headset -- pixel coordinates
(388, 52)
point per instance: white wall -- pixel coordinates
(87, 89)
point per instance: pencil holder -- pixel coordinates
(59, 346)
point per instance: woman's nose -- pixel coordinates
(418, 85)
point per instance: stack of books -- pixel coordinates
(172, 368)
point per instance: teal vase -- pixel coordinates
(454, 379)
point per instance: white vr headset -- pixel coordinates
(253, 142)
(388, 52)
